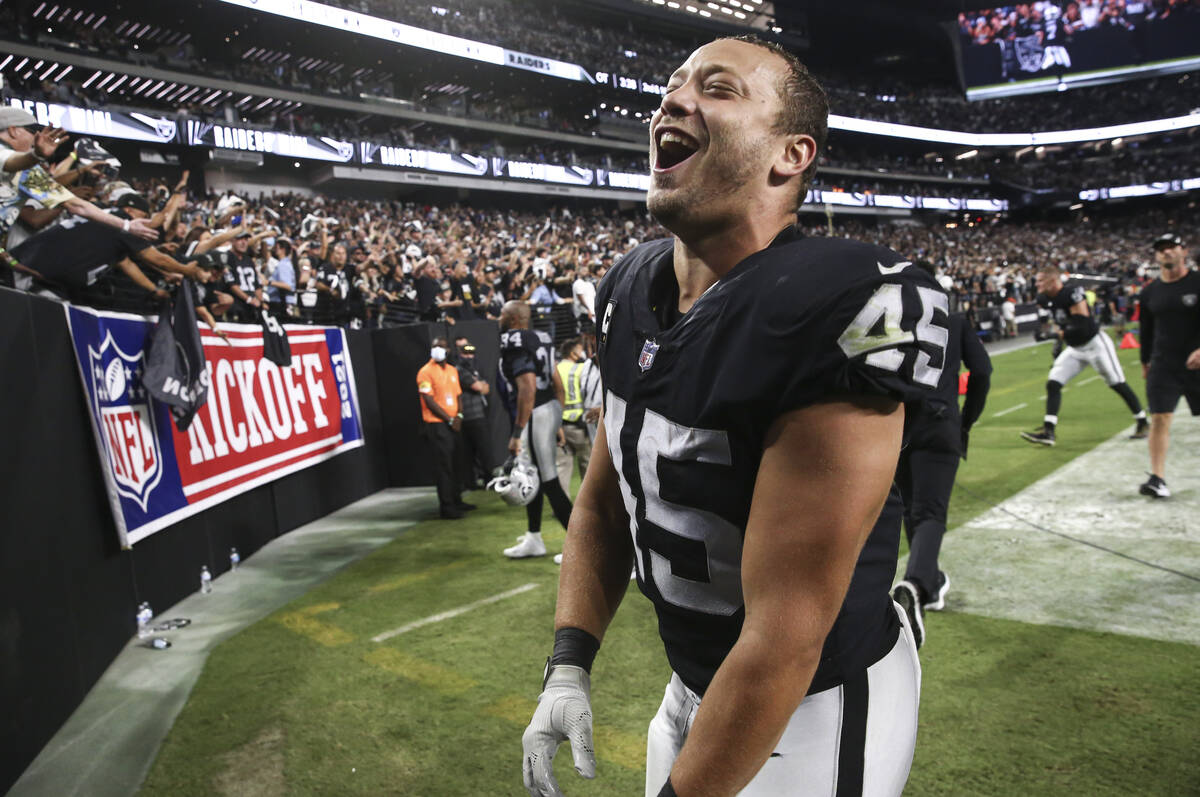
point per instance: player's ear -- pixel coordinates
(797, 154)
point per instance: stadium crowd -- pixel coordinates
(355, 262)
(899, 98)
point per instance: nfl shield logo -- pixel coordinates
(1189, 300)
(123, 414)
(646, 358)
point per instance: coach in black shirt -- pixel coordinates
(1170, 331)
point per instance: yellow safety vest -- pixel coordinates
(571, 374)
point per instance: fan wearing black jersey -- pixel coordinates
(527, 364)
(752, 423)
(1086, 345)
(1170, 332)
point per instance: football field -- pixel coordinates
(1067, 661)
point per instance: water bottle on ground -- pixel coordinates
(205, 580)
(235, 559)
(144, 616)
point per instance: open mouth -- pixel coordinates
(673, 148)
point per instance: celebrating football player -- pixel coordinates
(527, 363)
(752, 421)
(1086, 345)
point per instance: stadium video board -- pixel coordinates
(1053, 44)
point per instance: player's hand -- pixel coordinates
(514, 445)
(561, 436)
(142, 229)
(456, 424)
(564, 712)
(1146, 370)
(1193, 360)
(592, 415)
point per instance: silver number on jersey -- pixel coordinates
(929, 332)
(887, 303)
(662, 438)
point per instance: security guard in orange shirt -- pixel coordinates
(437, 382)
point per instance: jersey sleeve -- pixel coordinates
(518, 357)
(883, 335)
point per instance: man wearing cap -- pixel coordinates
(477, 456)
(24, 148)
(1170, 338)
(69, 256)
(245, 285)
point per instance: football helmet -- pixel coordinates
(518, 486)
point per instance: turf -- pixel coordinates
(304, 703)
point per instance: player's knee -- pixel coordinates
(1053, 388)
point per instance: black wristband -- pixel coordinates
(575, 647)
(667, 790)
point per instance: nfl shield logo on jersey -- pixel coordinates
(126, 425)
(646, 358)
(1189, 300)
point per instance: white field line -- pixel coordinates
(449, 613)
(1020, 406)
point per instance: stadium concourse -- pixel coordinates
(231, 232)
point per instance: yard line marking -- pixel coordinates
(302, 623)
(448, 614)
(421, 672)
(1090, 379)
(1020, 406)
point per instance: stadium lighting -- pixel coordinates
(962, 156)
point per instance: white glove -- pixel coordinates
(564, 712)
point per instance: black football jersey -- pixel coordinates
(1071, 294)
(688, 404)
(524, 351)
(245, 273)
(1170, 320)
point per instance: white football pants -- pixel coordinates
(854, 739)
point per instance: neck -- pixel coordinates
(704, 258)
(1173, 272)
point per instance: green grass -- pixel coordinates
(303, 703)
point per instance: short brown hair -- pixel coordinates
(805, 105)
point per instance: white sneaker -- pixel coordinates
(527, 547)
(558, 559)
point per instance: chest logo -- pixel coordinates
(646, 358)
(1189, 300)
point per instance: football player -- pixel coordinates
(1170, 332)
(752, 422)
(938, 436)
(1085, 345)
(527, 363)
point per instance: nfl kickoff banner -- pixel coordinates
(260, 422)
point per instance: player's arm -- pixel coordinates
(218, 240)
(526, 392)
(139, 278)
(598, 550)
(977, 361)
(823, 479)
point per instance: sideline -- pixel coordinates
(1002, 565)
(107, 745)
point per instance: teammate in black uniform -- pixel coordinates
(1086, 345)
(527, 363)
(1170, 332)
(937, 437)
(752, 423)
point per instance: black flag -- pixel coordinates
(176, 372)
(275, 341)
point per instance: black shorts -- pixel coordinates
(1165, 384)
